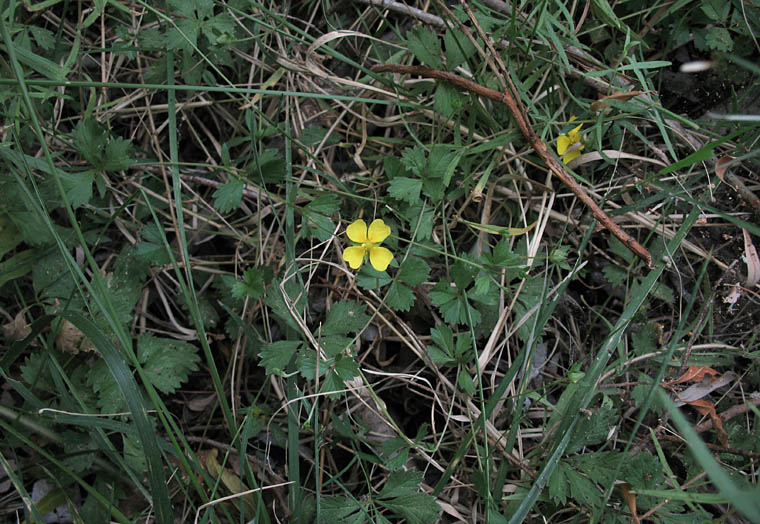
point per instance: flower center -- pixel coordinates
(367, 246)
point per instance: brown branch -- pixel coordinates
(538, 145)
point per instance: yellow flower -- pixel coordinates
(568, 141)
(368, 241)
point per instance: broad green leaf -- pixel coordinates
(18, 265)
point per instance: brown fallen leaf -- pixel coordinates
(17, 329)
(692, 374)
(704, 387)
(705, 407)
(630, 499)
(230, 480)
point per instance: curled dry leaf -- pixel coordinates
(17, 329)
(734, 295)
(704, 387)
(630, 499)
(751, 259)
(693, 374)
(71, 340)
(705, 407)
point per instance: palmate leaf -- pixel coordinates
(254, 282)
(426, 46)
(405, 189)
(166, 362)
(455, 309)
(399, 297)
(345, 317)
(401, 495)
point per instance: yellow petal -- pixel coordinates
(380, 257)
(574, 133)
(573, 118)
(354, 256)
(378, 231)
(563, 142)
(357, 231)
(572, 155)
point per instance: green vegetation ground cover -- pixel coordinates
(197, 329)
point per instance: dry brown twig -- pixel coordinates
(538, 145)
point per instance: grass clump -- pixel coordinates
(559, 325)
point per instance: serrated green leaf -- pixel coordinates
(44, 37)
(269, 167)
(166, 362)
(370, 278)
(426, 46)
(334, 345)
(228, 196)
(332, 385)
(119, 155)
(583, 490)
(345, 317)
(465, 382)
(716, 10)
(414, 271)
(401, 495)
(559, 488)
(458, 49)
(78, 187)
(401, 483)
(312, 135)
(341, 510)
(324, 204)
(109, 397)
(275, 356)
(593, 429)
(448, 100)
(719, 39)
(482, 285)
(414, 159)
(501, 255)
(420, 221)
(463, 272)
(307, 365)
(318, 226)
(90, 139)
(453, 309)
(346, 368)
(254, 282)
(395, 451)
(615, 275)
(399, 297)
(405, 189)
(442, 162)
(644, 340)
